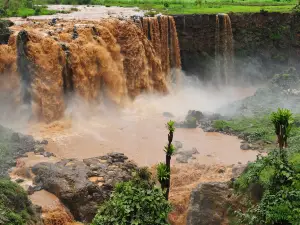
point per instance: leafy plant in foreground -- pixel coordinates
(164, 170)
(277, 175)
(134, 202)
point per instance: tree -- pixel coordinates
(164, 169)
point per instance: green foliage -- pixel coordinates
(134, 203)
(162, 172)
(15, 208)
(170, 150)
(171, 126)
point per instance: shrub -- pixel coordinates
(134, 203)
(15, 207)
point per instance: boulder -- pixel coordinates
(184, 156)
(83, 185)
(208, 204)
(237, 170)
(4, 31)
(245, 146)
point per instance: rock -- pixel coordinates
(4, 31)
(48, 154)
(221, 170)
(15, 137)
(177, 145)
(19, 180)
(168, 115)
(182, 158)
(237, 170)
(245, 146)
(189, 152)
(195, 114)
(83, 185)
(208, 204)
(39, 149)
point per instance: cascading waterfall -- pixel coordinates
(111, 58)
(161, 31)
(224, 49)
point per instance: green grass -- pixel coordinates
(259, 128)
(24, 12)
(206, 7)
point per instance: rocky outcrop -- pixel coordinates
(4, 31)
(264, 43)
(83, 185)
(12, 146)
(209, 204)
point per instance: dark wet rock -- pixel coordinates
(39, 149)
(53, 22)
(19, 180)
(48, 154)
(245, 146)
(4, 31)
(208, 204)
(237, 170)
(168, 115)
(83, 185)
(221, 170)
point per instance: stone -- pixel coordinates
(237, 170)
(182, 158)
(84, 185)
(245, 146)
(15, 137)
(19, 180)
(48, 154)
(39, 149)
(4, 31)
(168, 115)
(177, 145)
(208, 204)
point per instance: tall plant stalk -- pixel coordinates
(164, 169)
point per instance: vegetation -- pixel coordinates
(23, 8)
(15, 207)
(273, 180)
(20, 8)
(135, 202)
(164, 170)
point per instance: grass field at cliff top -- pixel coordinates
(204, 7)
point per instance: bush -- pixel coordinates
(135, 202)
(15, 207)
(280, 182)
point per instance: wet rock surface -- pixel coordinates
(4, 31)
(13, 145)
(184, 155)
(83, 185)
(208, 204)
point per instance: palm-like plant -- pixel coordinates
(282, 121)
(164, 169)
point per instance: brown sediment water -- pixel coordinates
(224, 52)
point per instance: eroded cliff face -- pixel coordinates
(264, 44)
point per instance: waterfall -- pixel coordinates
(224, 50)
(161, 31)
(112, 58)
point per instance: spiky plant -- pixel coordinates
(164, 169)
(282, 121)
